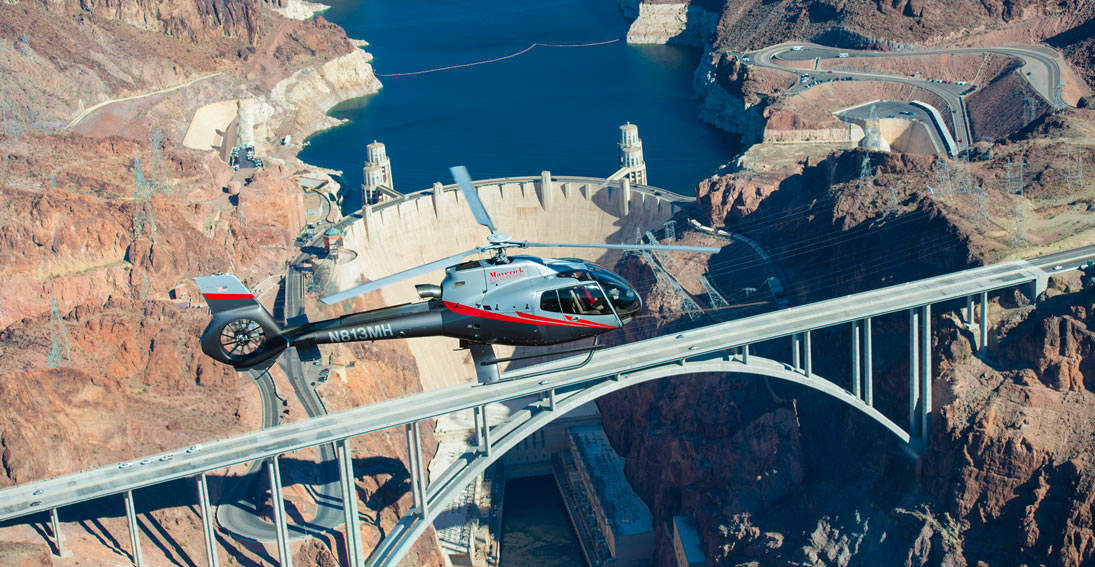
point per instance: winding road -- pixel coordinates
(1040, 69)
(239, 510)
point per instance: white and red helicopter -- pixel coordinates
(498, 300)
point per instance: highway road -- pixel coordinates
(238, 511)
(1039, 68)
(641, 355)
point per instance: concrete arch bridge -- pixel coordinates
(560, 385)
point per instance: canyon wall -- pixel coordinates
(777, 474)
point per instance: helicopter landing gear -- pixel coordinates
(486, 366)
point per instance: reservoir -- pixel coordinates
(549, 108)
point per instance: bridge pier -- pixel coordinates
(868, 364)
(925, 372)
(807, 354)
(914, 373)
(856, 331)
(796, 350)
(285, 555)
(862, 361)
(349, 503)
(920, 372)
(134, 533)
(207, 522)
(58, 541)
(418, 474)
(984, 342)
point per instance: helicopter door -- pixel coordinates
(582, 305)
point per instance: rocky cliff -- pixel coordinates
(780, 475)
(131, 380)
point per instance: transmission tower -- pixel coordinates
(25, 45)
(866, 180)
(144, 224)
(891, 196)
(1028, 110)
(58, 337)
(670, 230)
(963, 180)
(1014, 182)
(1074, 167)
(159, 181)
(1019, 229)
(713, 295)
(980, 207)
(941, 167)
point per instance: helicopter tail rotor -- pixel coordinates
(242, 333)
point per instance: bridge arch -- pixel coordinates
(523, 423)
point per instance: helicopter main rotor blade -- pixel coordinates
(396, 277)
(463, 179)
(704, 249)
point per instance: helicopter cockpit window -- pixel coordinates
(549, 301)
(580, 275)
(623, 298)
(587, 299)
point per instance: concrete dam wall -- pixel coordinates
(429, 225)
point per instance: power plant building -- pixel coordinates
(687, 548)
(625, 526)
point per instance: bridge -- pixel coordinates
(557, 387)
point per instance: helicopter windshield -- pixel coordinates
(620, 294)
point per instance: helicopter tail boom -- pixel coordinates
(242, 333)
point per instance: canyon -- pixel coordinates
(779, 475)
(772, 474)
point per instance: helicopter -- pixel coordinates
(519, 300)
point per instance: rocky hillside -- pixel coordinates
(780, 475)
(131, 379)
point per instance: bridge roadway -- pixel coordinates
(657, 356)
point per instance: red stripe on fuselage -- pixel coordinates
(223, 296)
(579, 323)
(523, 318)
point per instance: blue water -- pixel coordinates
(556, 109)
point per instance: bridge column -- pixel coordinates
(807, 355)
(868, 364)
(58, 541)
(412, 462)
(422, 470)
(984, 322)
(968, 315)
(551, 399)
(349, 503)
(914, 373)
(857, 328)
(134, 534)
(207, 522)
(285, 556)
(482, 430)
(925, 372)
(796, 351)
(745, 354)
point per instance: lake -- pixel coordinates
(549, 108)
